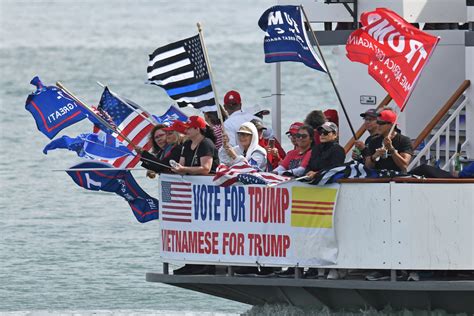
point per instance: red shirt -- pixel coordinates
(272, 160)
(295, 159)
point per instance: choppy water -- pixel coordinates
(64, 250)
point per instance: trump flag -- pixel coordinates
(394, 50)
(286, 38)
(52, 109)
(95, 176)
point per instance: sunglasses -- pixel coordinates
(383, 123)
(243, 134)
(369, 119)
(302, 136)
(325, 133)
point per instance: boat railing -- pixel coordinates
(440, 147)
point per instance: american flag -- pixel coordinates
(130, 121)
(245, 174)
(176, 199)
(180, 68)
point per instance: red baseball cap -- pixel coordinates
(177, 126)
(387, 116)
(294, 128)
(196, 122)
(332, 116)
(232, 97)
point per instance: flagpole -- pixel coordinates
(154, 121)
(143, 158)
(97, 169)
(209, 69)
(287, 181)
(328, 72)
(63, 88)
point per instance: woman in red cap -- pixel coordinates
(171, 151)
(199, 154)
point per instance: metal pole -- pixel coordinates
(328, 72)
(209, 70)
(276, 94)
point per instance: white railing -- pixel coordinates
(446, 149)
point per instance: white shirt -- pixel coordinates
(233, 122)
(256, 155)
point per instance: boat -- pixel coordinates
(396, 224)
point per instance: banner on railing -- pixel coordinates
(290, 224)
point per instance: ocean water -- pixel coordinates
(65, 250)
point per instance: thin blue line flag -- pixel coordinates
(144, 207)
(286, 38)
(52, 109)
(180, 68)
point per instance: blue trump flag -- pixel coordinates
(92, 146)
(104, 146)
(65, 142)
(52, 109)
(172, 114)
(144, 207)
(286, 38)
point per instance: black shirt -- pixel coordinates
(163, 157)
(400, 142)
(326, 156)
(192, 158)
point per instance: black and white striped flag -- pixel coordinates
(180, 68)
(352, 170)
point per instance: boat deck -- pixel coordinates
(453, 296)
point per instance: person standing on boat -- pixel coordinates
(328, 154)
(233, 106)
(315, 119)
(215, 123)
(171, 150)
(247, 149)
(199, 154)
(297, 160)
(391, 152)
(370, 124)
(157, 139)
(292, 131)
(275, 153)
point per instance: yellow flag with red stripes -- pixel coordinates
(312, 207)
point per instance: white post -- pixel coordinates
(276, 96)
(470, 105)
(470, 76)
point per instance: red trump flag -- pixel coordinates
(394, 50)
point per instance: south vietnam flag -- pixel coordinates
(312, 207)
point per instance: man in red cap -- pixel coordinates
(392, 152)
(233, 106)
(370, 123)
